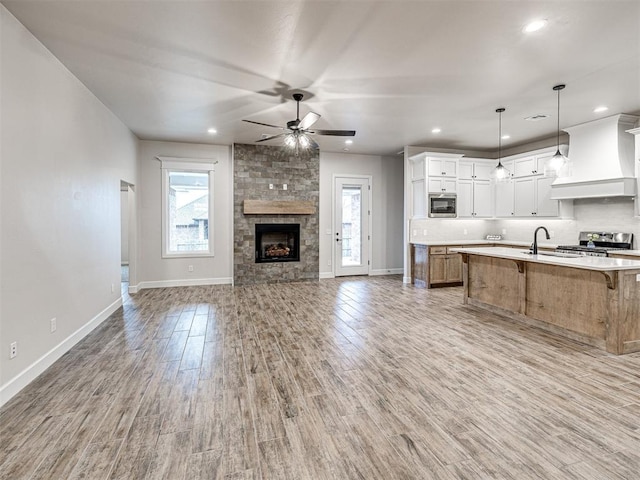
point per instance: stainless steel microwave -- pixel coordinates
(442, 205)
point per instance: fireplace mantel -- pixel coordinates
(278, 207)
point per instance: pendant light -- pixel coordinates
(556, 165)
(500, 173)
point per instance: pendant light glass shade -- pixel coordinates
(500, 173)
(557, 165)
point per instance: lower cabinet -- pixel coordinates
(445, 267)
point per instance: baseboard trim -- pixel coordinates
(181, 283)
(387, 271)
(325, 275)
(29, 374)
(406, 280)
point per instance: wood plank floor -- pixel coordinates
(356, 378)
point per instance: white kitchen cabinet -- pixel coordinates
(532, 197)
(528, 166)
(545, 207)
(439, 185)
(442, 167)
(475, 169)
(482, 198)
(474, 198)
(504, 199)
(464, 203)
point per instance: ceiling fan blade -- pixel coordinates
(308, 120)
(264, 124)
(335, 133)
(271, 137)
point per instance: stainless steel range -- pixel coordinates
(598, 244)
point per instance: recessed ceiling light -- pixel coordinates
(212, 131)
(506, 137)
(534, 26)
(436, 130)
(600, 109)
(348, 142)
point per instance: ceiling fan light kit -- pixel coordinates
(297, 132)
(500, 173)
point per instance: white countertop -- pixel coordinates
(586, 263)
(484, 242)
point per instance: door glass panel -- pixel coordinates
(351, 226)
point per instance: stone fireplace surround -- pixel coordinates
(255, 168)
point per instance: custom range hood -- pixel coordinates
(602, 160)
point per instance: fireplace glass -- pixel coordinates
(277, 242)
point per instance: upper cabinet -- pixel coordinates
(531, 189)
(476, 169)
(442, 171)
(526, 194)
(442, 167)
(475, 195)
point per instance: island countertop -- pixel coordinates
(602, 264)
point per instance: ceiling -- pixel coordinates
(391, 70)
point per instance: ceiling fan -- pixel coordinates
(297, 131)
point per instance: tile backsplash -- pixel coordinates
(607, 214)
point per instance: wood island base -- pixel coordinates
(597, 307)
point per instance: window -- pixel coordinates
(187, 193)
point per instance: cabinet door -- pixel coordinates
(454, 267)
(437, 269)
(449, 185)
(435, 185)
(449, 168)
(482, 198)
(504, 199)
(465, 170)
(525, 166)
(482, 170)
(419, 199)
(435, 167)
(524, 197)
(465, 198)
(545, 207)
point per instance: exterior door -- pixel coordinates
(352, 237)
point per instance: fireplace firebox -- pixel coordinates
(277, 242)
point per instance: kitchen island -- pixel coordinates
(595, 300)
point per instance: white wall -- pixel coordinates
(63, 155)
(155, 271)
(387, 225)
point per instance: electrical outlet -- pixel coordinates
(552, 233)
(13, 350)
(53, 324)
(504, 231)
(271, 186)
(190, 268)
(284, 186)
(424, 231)
(464, 232)
(113, 288)
(415, 232)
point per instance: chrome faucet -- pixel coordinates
(534, 247)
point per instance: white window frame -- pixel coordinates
(178, 164)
